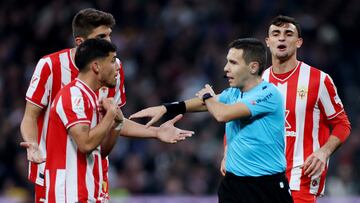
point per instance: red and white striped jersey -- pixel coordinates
(53, 72)
(70, 175)
(310, 100)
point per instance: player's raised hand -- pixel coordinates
(168, 133)
(33, 152)
(108, 104)
(155, 113)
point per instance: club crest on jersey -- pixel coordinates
(302, 92)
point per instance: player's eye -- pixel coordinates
(102, 36)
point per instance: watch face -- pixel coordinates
(206, 96)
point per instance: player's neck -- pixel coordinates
(89, 80)
(280, 67)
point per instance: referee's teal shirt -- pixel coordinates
(256, 145)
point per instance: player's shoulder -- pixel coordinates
(55, 55)
(312, 68)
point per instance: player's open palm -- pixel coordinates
(33, 152)
(155, 113)
(168, 133)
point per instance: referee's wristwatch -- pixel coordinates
(206, 96)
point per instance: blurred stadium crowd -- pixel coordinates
(169, 50)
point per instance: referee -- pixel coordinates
(253, 111)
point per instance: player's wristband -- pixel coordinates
(175, 108)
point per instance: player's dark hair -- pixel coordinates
(91, 50)
(280, 20)
(86, 20)
(253, 50)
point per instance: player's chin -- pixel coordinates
(111, 84)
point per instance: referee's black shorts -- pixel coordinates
(263, 189)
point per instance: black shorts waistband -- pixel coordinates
(275, 176)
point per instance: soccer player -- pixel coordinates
(73, 170)
(316, 123)
(53, 72)
(254, 115)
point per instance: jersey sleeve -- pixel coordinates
(267, 100)
(39, 88)
(330, 102)
(74, 108)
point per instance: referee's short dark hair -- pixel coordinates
(253, 50)
(90, 50)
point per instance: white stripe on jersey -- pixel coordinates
(65, 69)
(72, 172)
(47, 180)
(300, 106)
(117, 97)
(324, 95)
(60, 186)
(61, 112)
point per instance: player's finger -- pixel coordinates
(307, 162)
(315, 169)
(139, 114)
(152, 121)
(310, 167)
(175, 119)
(25, 144)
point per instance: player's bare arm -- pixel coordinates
(29, 132)
(167, 132)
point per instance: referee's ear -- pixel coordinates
(254, 67)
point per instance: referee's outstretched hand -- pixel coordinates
(155, 113)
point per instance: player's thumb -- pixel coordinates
(176, 119)
(25, 144)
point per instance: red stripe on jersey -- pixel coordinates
(56, 84)
(51, 195)
(81, 167)
(96, 177)
(312, 94)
